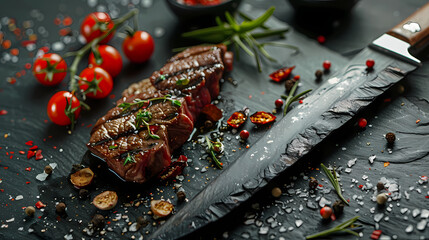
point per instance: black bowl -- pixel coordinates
(320, 6)
(186, 12)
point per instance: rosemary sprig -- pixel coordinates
(211, 150)
(339, 228)
(240, 35)
(142, 118)
(129, 159)
(334, 180)
(291, 98)
(137, 104)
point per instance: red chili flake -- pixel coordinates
(427, 197)
(6, 168)
(39, 155)
(18, 75)
(44, 49)
(174, 169)
(6, 44)
(40, 205)
(387, 100)
(320, 185)
(25, 43)
(376, 234)
(22, 152)
(281, 74)
(418, 120)
(112, 96)
(28, 66)
(67, 21)
(333, 218)
(11, 157)
(28, 182)
(28, 169)
(361, 186)
(57, 21)
(386, 164)
(321, 39)
(89, 125)
(30, 154)
(262, 118)
(29, 143)
(64, 31)
(23, 72)
(296, 77)
(11, 80)
(3, 112)
(34, 147)
(1, 190)
(14, 51)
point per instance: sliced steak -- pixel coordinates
(149, 156)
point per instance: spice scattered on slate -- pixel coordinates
(318, 74)
(381, 198)
(48, 169)
(60, 208)
(289, 84)
(208, 124)
(181, 196)
(338, 207)
(98, 221)
(30, 210)
(390, 137)
(83, 193)
(276, 192)
(313, 183)
(380, 186)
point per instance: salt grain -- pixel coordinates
(298, 223)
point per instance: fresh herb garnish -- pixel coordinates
(129, 159)
(182, 82)
(142, 119)
(211, 149)
(339, 228)
(291, 98)
(334, 180)
(240, 35)
(137, 104)
(113, 147)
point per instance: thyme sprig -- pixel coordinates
(291, 98)
(142, 119)
(240, 35)
(339, 228)
(129, 159)
(332, 175)
(137, 104)
(211, 150)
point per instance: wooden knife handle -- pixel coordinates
(415, 29)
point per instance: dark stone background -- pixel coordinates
(346, 34)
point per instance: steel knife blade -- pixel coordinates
(335, 103)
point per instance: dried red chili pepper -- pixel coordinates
(34, 147)
(39, 155)
(281, 74)
(39, 205)
(30, 154)
(212, 112)
(262, 118)
(238, 118)
(174, 169)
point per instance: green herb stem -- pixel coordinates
(339, 228)
(334, 180)
(213, 155)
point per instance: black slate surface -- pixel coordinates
(26, 99)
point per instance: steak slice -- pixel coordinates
(197, 50)
(116, 122)
(149, 156)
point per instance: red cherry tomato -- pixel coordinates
(109, 59)
(95, 25)
(326, 65)
(370, 63)
(362, 122)
(50, 69)
(95, 82)
(278, 103)
(244, 134)
(326, 212)
(139, 47)
(62, 107)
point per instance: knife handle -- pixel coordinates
(415, 29)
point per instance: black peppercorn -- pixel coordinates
(208, 124)
(338, 207)
(60, 208)
(390, 137)
(98, 221)
(83, 193)
(318, 74)
(142, 222)
(181, 196)
(313, 183)
(289, 84)
(380, 186)
(48, 169)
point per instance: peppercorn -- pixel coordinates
(208, 124)
(338, 207)
(98, 221)
(382, 198)
(276, 192)
(390, 137)
(60, 208)
(380, 186)
(142, 222)
(313, 183)
(181, 196)
(83, 193)
(48, 169)
(30, 210)
(289, 84)
(319, 74)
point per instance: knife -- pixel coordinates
(335, 103)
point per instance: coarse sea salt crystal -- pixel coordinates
(372, 158)
(416, 212)
(298, 223)
(409, 228)
(422, 225)
(351, 162)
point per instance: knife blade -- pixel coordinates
(334, 104)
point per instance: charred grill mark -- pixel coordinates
(163, 77)
(171, 116)
(123, 134)
(133, 152)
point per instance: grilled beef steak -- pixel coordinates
(137, 136)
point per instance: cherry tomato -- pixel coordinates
(95, 82)
(50, 69)
(161, 208)
(370, 63)
(139, 47)
(105, 200)
(362, 122)
(109, 59)
(244, 134)
(326, 65)
(82, 178)
(278, 103)
(326, 212)
(95, 25)
(63, 108)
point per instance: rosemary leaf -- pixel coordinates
(334, 182)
